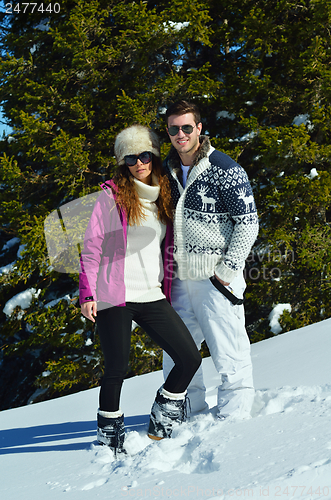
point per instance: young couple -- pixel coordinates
(203, 198)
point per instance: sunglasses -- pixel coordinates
(144, 157)
(174, 129)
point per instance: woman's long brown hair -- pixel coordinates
(128, 199)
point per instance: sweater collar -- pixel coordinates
(146, 192)
(174, 162)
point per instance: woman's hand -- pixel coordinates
(89, 309)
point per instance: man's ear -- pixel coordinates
(199, 127)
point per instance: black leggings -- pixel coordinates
(164, 326)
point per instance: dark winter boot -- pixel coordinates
(167, 410)
(111, 430)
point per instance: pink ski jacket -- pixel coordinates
(101, 276)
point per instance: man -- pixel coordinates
(215, 226)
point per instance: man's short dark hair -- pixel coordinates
(182, 108)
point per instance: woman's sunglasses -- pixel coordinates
(131, 160)
(174, 129)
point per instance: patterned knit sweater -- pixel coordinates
(215, 222)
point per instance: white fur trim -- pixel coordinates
(135, 140)
(110, 414)
(171, 395)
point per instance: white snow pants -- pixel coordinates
(211, 316)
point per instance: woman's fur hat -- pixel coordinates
(135, 140)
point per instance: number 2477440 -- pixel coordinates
(31, 7)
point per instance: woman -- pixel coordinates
(120, 281)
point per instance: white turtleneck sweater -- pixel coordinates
(143, 271)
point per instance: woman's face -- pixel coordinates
(142, 169)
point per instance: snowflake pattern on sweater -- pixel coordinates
(215, 220)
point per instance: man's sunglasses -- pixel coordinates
(144, 157)
(174, 129)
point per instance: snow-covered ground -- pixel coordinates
(48, 450)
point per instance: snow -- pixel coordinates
(53, 303)
(20, 251)
(10, 243)
(43, 25)
(7, 246)
(303, 119)
(275, 315)
(300, 119)
(225, 114)
(312, 174)
(246, 137)
(48, 450)
(7, 269)
(175, 26)
(22, 299)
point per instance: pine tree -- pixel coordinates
(71, 80)
(286, 75)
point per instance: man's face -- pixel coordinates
(186, 144)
